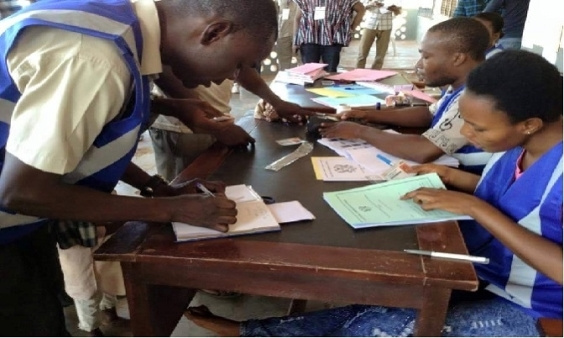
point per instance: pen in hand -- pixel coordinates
(204, 189)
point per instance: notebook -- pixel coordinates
(380, 204)
(253, 216)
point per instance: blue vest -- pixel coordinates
(465, 153)
(113, 20)
(534, 201)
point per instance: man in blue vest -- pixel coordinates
(74, 95)
(449, 51)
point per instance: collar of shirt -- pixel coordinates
(151, 31)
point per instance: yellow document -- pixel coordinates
(329, 92)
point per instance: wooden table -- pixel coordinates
(324, 259)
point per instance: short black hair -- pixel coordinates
(522, 84)
(466, 35)
(495, 19)
(259, 17)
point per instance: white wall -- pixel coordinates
(544, 30)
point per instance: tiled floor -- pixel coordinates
(243, 306)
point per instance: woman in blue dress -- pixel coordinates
(512, 106)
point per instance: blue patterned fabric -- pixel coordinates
(483, 318)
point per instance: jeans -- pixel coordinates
(331, 55)
(510, 43)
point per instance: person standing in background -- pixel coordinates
(377, 25)
(514, 14)
(324, 27)
(494, 24)
(286, 14)
(469, 8)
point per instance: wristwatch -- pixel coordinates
(148, 189)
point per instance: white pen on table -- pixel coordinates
(474, 259)
(204, 189)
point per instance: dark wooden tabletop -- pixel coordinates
(324, 259)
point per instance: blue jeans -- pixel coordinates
(510, 43)
(473, 318)
(331, 55)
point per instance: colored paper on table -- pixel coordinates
(362, 74)
(307, 68)
(420, 95)
(338, 168)
(329, 92)
(355, 89)
(358, 101)
(380, 204)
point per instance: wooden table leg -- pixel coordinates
(431, 317)
(154, 309)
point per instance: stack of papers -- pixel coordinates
(362, 74)
(306, 73)
(380, 204)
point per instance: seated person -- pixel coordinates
(494, 24)
(516, 207)
(449, 51)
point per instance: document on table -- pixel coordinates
(329, 92)
(289, 212)
(253, 216)
(338, 168)
(380, 204)
(357, 101)
(370, 157)
(362, 74)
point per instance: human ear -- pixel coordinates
(215, 31)
(531, 126)
(459, 58)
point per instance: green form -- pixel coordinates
(380, 204)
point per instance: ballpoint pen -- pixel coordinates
(474, 259)
(204, 189)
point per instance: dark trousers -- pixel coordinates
(29, 284)
(331, 55)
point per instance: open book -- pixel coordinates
(380, 204)
(253, 216)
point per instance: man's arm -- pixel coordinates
(30, 191)
(196, 114)
(416, 117)
(251, 80)
(408, 146)
(360, 10)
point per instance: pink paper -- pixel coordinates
(307, 68)
(420, 95)
(362, 74)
